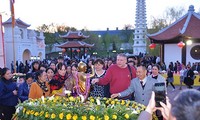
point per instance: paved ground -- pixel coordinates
(171, 94)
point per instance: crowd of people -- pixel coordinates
(131, 78)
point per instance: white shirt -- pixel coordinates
(144, 80)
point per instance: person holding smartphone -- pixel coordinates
(185, 106)
(155, 74)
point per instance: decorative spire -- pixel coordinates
(139, 45)
(191, 8)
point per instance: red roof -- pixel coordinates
(75, 44)
(186, 26)
(74, 35)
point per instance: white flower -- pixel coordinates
(67, 92)
(134, 112)
(82, 98)
(30, 103)
(42, 99)
(18, 109)
(51, 98)
(98, 101)
(112, 106)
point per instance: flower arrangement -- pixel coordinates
(72, 108)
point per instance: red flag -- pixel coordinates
(12, 12)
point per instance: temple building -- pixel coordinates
(139, 45)
(180, 41)
(75, 44)
(22, 44)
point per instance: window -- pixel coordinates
(195, 52)
(21, 34)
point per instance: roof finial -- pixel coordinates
(191, 8)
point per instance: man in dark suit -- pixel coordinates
(142, 86)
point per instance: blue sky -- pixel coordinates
(90, 14)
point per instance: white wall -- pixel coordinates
(172, 53)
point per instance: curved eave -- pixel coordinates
(18, 22)
(183, 19)
(73, 37)
(171, 40)
(75, 44)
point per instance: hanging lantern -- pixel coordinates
(78, 50)
(181, 44)
(73, 50)
(152, 45)
(85, 51)
(63, 50)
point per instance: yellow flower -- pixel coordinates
(118, 102)
(84, 117)
(127, 105)
(123, 102)
(114, 117)
(106, 117)
(46, 115)
(92, 117)
(32, 112)
(53, 116)
(138, 111)
(92, 100)
(36, 114)
(133, 105)
(64, 104)
(61, 116)
(41, 113)
(126, 116)
(28, 112)
(107, 101)
(104, 98)
(112, 102)
(68, 116)
(75, 117)
(71, 99)
(24, 110)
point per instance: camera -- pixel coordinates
(160, 93)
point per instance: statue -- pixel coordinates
(82, 82)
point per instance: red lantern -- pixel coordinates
(63, 50)
(85, 51)
(152, 45)
(181, 44)
(78, 50)
(72, 50)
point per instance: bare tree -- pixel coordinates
(174, 13)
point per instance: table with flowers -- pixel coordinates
(73, 108)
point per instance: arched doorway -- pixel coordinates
(26, 55)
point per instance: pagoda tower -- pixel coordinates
(139, 45)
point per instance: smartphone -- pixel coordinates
(160, 93)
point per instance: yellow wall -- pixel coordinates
(177, 79)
